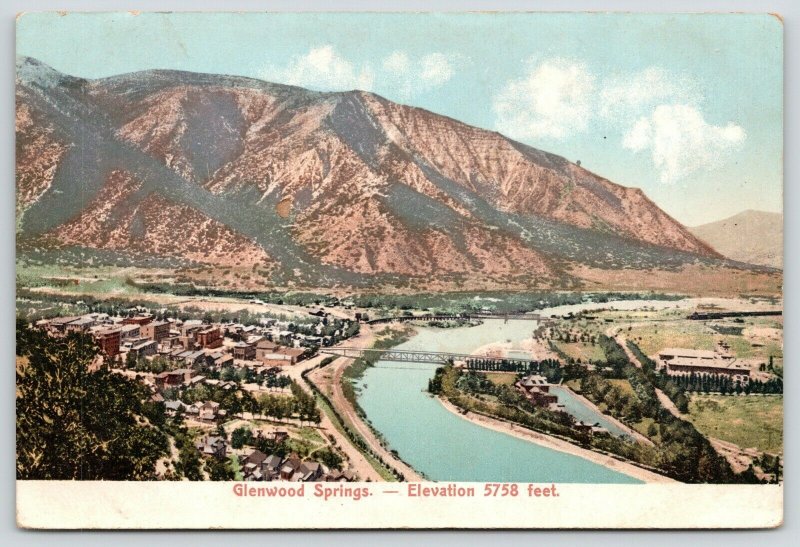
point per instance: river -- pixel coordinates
(446, 447)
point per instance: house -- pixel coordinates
(210, 411)
(225, 360)
(129, 332)
(140, 320)
(536, 390)
(196, 380)
(244, 351)
(171, 378)
(294, 354)
(108, 340)
(155, 330)
(253, 466)
(143, 348)
(311, 471)
(682, 361)
(194, 358)
(265, 347)
(211, 446)
(173, 407)
(177, 354)
(210, 337)
(341, 476)
(290, 466)
(81, 324)
(218, 359)
(272, 467)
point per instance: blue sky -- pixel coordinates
(686, 107)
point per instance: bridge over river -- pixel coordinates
(429, 357)
(454, 317)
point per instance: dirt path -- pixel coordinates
(620, 339)
(665, 401)
(738, 458)
(168, 462)
(358, 462)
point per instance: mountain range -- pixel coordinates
(232, 181)
(755, 237)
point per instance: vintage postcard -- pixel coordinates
(408, 270)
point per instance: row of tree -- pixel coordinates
(549, 368)
(722, 383)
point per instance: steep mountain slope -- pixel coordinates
(316, 189)
(755, 237)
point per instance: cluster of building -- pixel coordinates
(258, 466)
(203, 411)
(682, 361)
(193, 342)
(192, 352)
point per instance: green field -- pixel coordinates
(582, 351)
(502, 378)
(655, 337)
(753, 421)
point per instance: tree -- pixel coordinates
(241, 436)
(77, 424)
(219, 470)
(329, 458)
(188, 464)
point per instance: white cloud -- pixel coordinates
(656, 110)
(630, 94)
(397, 63)
(682, 142)
(553, 100)
(408, 77)
(322, 68)
(436, 69)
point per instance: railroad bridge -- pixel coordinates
(429, 357)
(455, 317)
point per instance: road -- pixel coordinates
(364, 339)
(665, 401)
(359, 463)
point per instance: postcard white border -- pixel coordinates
(185, 505)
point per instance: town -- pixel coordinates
(270, 392)
(210, 373)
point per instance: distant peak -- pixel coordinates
(33, 71)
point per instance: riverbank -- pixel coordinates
(553, 443)
(629, 430)
(332, 386)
